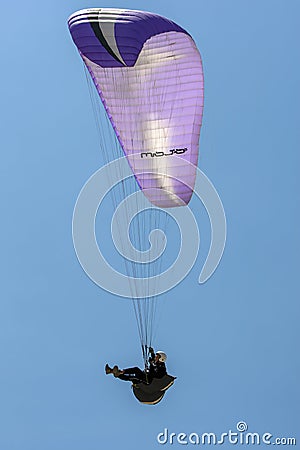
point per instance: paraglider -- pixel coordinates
(150, 384)
(148, 74)
(156, 369)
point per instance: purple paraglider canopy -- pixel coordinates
(148, 73)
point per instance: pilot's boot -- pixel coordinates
(116, 371)
(108, 369)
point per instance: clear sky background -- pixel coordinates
(233, 343)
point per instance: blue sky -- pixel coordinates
(233, 343)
